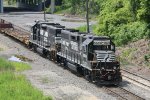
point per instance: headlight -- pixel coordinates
(103, 68)
(115, 67)
(109, 77)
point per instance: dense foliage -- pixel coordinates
(122, 20)
(79, 6)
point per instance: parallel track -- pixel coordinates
(135, 74)
(122, 94)
(137, 79)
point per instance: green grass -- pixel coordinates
(15, 86)
(128, 53)
(16, 66)
(147, 59)
(20, 66)
(62, 10)
(5, 65)
(1, 49)
(127, 56)
(84, 28)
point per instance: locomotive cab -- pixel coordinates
(104, 50)
(101, 59)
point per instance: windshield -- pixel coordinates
(102, 47)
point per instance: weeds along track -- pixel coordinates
(121, 93)
(136, 79)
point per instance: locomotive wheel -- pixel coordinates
(118, 79)
(30, 46)
(88, 78)
(55, 58)
(45, 53)
(34, 48)
(53, 55)
(87, 75)
(49, 56)
(64, 63)
(58, 60)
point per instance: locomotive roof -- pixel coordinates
(102, 37)
(51, 25)
(84, 34)
(55, 26)
(71, 32)
(47, 23)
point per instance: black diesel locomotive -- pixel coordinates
(89, 55)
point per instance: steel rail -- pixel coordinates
(135, 74)
(123, 92)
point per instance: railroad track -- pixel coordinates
(136, 79)
(122, 94)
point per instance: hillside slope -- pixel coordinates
(136, 53)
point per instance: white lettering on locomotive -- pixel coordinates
(41, 32)
(74, 46)
(45, 36)
(84, 55)
(63, 42)
(67, 44)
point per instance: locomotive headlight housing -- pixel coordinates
(115, 67)
(103, 68)
(109, 77)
